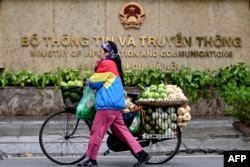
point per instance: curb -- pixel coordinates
(242, 128)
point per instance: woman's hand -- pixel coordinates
(86, 81)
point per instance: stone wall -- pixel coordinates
(42, 26)
(30, 101)
(212, 105)
(34, 102)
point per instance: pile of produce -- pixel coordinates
(162, 93)
(164, 118)
(184, 115)
(160, 120)
(78, 83)
(72, 92)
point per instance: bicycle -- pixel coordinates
(64, 138)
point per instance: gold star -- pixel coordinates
(132, 9)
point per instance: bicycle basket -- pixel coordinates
(71, 95)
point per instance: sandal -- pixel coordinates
(89, 162)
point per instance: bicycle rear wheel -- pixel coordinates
(63, 138)
(163, 150)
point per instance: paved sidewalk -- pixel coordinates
(203, 135)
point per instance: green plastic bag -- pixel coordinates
(135, 127)
(86, 107)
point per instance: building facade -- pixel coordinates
(166, 34)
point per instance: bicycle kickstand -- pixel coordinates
(108, 150)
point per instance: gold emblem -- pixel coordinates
(132, 15)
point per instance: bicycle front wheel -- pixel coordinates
(63, 138)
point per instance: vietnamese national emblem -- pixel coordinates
(132, 15)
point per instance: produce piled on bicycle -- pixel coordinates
(163, 121)
(72, 92)
(162, 93)
(166, 107)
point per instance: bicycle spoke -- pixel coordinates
(60, 141)
(162, 150)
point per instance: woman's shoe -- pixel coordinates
(89, 162)
(143, 157)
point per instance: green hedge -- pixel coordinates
(189, 79)
(231, 82)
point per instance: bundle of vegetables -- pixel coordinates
(175, 92)
(72, 92)
(161, 92)
(160, 120)
(184, 116)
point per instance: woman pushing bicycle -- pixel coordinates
(108, 82)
